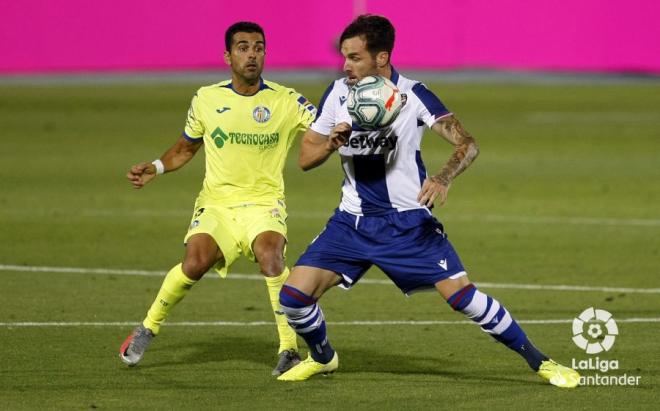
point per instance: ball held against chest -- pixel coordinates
(374, 103)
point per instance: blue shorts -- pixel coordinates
(410, 247)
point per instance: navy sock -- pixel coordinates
(532, 355)
(305, 316)
(496, 321)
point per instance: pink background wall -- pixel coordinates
(112, 35)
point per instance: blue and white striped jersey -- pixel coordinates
(383, 169)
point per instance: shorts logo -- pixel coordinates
(596, 339)
(261, 114)
(275, 213)
(194, 224)
(443, 264)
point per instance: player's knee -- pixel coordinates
(450, 286)
(202, 253)
(196, 265)
(271, 263)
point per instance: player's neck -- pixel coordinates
(385, 71)
(245, 87)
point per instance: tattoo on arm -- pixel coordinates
(465, 149)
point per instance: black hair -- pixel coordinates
(377, 31)
(242, 27)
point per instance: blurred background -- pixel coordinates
(41, 36)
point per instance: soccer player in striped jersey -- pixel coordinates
(384, 217)
(246, 125)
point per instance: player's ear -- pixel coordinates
(227, 57)
(382, 58)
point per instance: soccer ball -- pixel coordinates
(374, 102)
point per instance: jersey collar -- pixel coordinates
(262, 86)
(395, 76)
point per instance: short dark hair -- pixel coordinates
(377, 31)
(242, 27)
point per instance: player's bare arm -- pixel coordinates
(316, 148)
(465, 151)
(174, 158)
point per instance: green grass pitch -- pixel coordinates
(566, 191)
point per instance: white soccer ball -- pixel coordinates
(374, 102)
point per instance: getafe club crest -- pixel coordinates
(261, 114)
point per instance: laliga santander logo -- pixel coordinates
(598, 323)
(594, 331)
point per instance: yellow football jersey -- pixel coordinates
(246, 140)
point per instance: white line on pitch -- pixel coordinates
(324, 215)
(519, 219)
(257, 277)
(269, 323)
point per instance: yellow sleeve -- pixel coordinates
(305, 112)
(194, 129)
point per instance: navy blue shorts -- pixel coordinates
(410, 247)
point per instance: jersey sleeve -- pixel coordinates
(325, 114)
(431, 108)
(194, 128)
(305, 112)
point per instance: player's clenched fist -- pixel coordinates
(339, 135)
(141, 174)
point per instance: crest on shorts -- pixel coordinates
(275, 213)
(261, 114)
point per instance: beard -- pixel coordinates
(251, 74)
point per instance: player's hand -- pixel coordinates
(338, 136)
(433, 189)
(141, 174)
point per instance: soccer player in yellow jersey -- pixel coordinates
(246, 126)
